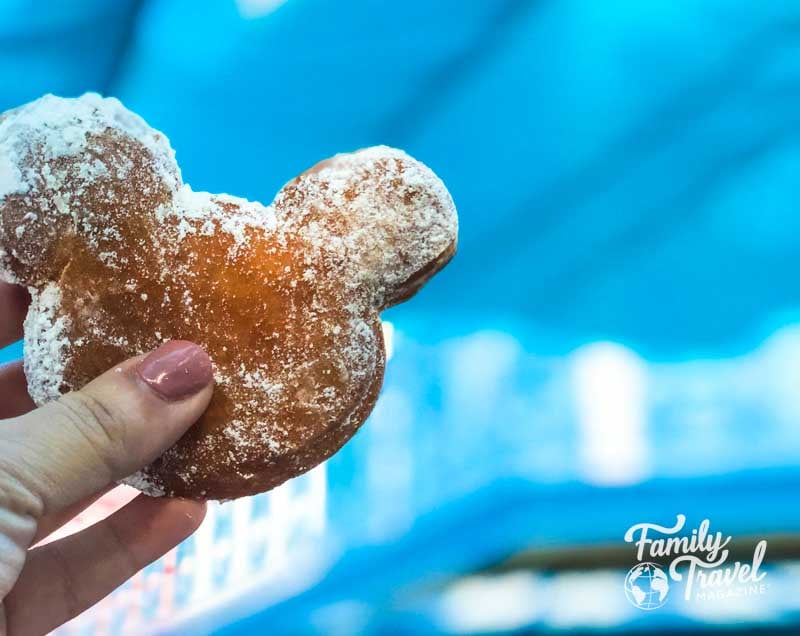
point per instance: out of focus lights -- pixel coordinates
(491, 603)
(610, 401)
(341, 618)
(587, 599)
(388, 338)
(253, 9)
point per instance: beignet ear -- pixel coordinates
(388, 217)
(69, 167)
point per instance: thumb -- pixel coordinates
(120, 422)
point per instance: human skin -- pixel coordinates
(56, 460)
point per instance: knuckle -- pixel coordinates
(16, 494)
(96, 423)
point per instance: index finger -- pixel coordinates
(14, 301)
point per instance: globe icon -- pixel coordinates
(647, 586)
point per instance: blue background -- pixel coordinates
(625, 172)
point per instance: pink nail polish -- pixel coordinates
(177, 369)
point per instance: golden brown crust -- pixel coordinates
(120, 256)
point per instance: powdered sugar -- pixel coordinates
(204, 214)
(11, 181)
(45, 344)
(401, 216)
(61, 127)
(285, 297)
(259, 378)
(144, 482)
(6, 275)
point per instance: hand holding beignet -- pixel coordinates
(120, 256)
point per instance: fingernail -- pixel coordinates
(176, 369)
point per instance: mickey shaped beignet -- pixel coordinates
(120, 256)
